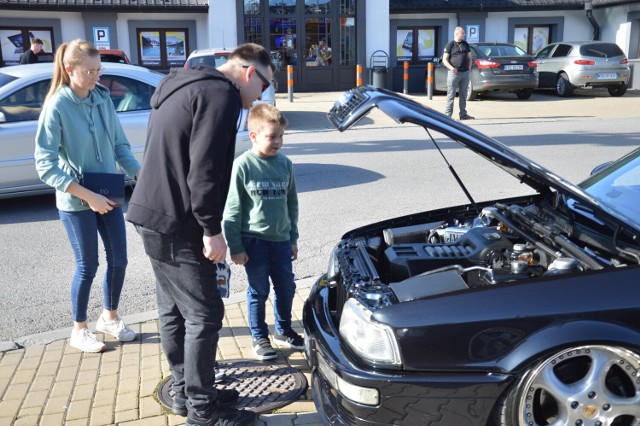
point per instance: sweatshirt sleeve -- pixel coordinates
(292, 203)
(233, 211)
(212, 140)
(48, 139)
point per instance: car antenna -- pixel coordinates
(455, 175)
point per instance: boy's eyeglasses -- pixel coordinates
(265, 81)
(97, 72)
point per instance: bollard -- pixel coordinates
(358, 75)
(405, 76)
(290, 82)
(430, 80)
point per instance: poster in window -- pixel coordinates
(176, 47)
(150, 47)
(404, 45)
(540, 38)
(426, 44)
(520, 37)
(12, 46)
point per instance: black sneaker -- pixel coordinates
(290, 339)
(227, 398)
(467, 117)
(263, 350)
(228, 417)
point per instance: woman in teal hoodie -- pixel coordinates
(79, 132)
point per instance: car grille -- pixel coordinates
(343, 109)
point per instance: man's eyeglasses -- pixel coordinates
(93, 73)
(265, 81)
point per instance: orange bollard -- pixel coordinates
(430, 80)
(358, 75)
(405, 77)
(290, 82)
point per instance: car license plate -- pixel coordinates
(606, 76)
(513, 67)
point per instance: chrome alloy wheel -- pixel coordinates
(588, 385)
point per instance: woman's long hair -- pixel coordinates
(69, 54)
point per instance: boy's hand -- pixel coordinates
(240, 258)
(294, 251)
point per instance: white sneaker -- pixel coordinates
(86, 341)
(116, 328)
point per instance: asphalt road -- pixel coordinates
(345, 180)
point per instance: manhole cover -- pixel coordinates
(263, 386)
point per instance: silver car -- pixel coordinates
(22, 92)
(566, 66)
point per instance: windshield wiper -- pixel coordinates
(455, 175)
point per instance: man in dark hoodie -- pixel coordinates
(177, 208)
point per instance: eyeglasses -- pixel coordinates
(92, 73)
(265, 81)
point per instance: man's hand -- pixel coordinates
(240, 258)
(215, 248)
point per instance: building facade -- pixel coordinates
(323, 40)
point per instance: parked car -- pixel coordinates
(496, 67)
(566, 66)
(217, 56)
(117, 56)
(22, 92)
(518, 311)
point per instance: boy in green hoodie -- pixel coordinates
(261, 227)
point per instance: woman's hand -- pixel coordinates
(99, 203)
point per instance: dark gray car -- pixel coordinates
(496, 67)
(566, 66)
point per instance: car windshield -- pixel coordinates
(618, 186)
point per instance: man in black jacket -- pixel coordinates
(31, 55)
(177, 208)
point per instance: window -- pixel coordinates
(347, 41)
(283, 40)
(416, 45)
(318, 48)
(561, 51)
(162, 48)
(16, 40)
(128, 94)
(26, 103)
(532, 38)
(253, 30)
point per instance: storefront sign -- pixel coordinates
(101, 38)
(473, 33)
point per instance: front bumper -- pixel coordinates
(406, 398)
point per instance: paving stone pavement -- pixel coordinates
(54, 384)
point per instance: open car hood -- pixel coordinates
(355, 104)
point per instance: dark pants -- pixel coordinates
(191, 313)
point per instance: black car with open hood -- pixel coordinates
(520, 311)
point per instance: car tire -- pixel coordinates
(618, 90)
(524, 93)
(578, 385)
(472, 95)
(563, 86)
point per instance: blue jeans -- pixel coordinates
(190, 310)
(457, 82)
(269, 259)
(82, 229)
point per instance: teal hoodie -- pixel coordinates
(73, 138)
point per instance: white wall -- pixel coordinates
(576, 25)
(223, 31)
(378, 26)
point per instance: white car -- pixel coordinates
(217, 56)
(22, 92)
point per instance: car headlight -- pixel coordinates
(370, 340)
(333, 269)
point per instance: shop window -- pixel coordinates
(252, 7)
(347, 41)
(318, 50)
(283, 41)
(312, 7)
(253, 30)
(162, 48)
(17, 40)
(416, 45)
(347, 7)
(532, 38)
(279, 7)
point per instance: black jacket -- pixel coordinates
(188, 156)
(28, 57)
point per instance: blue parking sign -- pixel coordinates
(101, 38)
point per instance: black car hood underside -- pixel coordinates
(357, 103)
